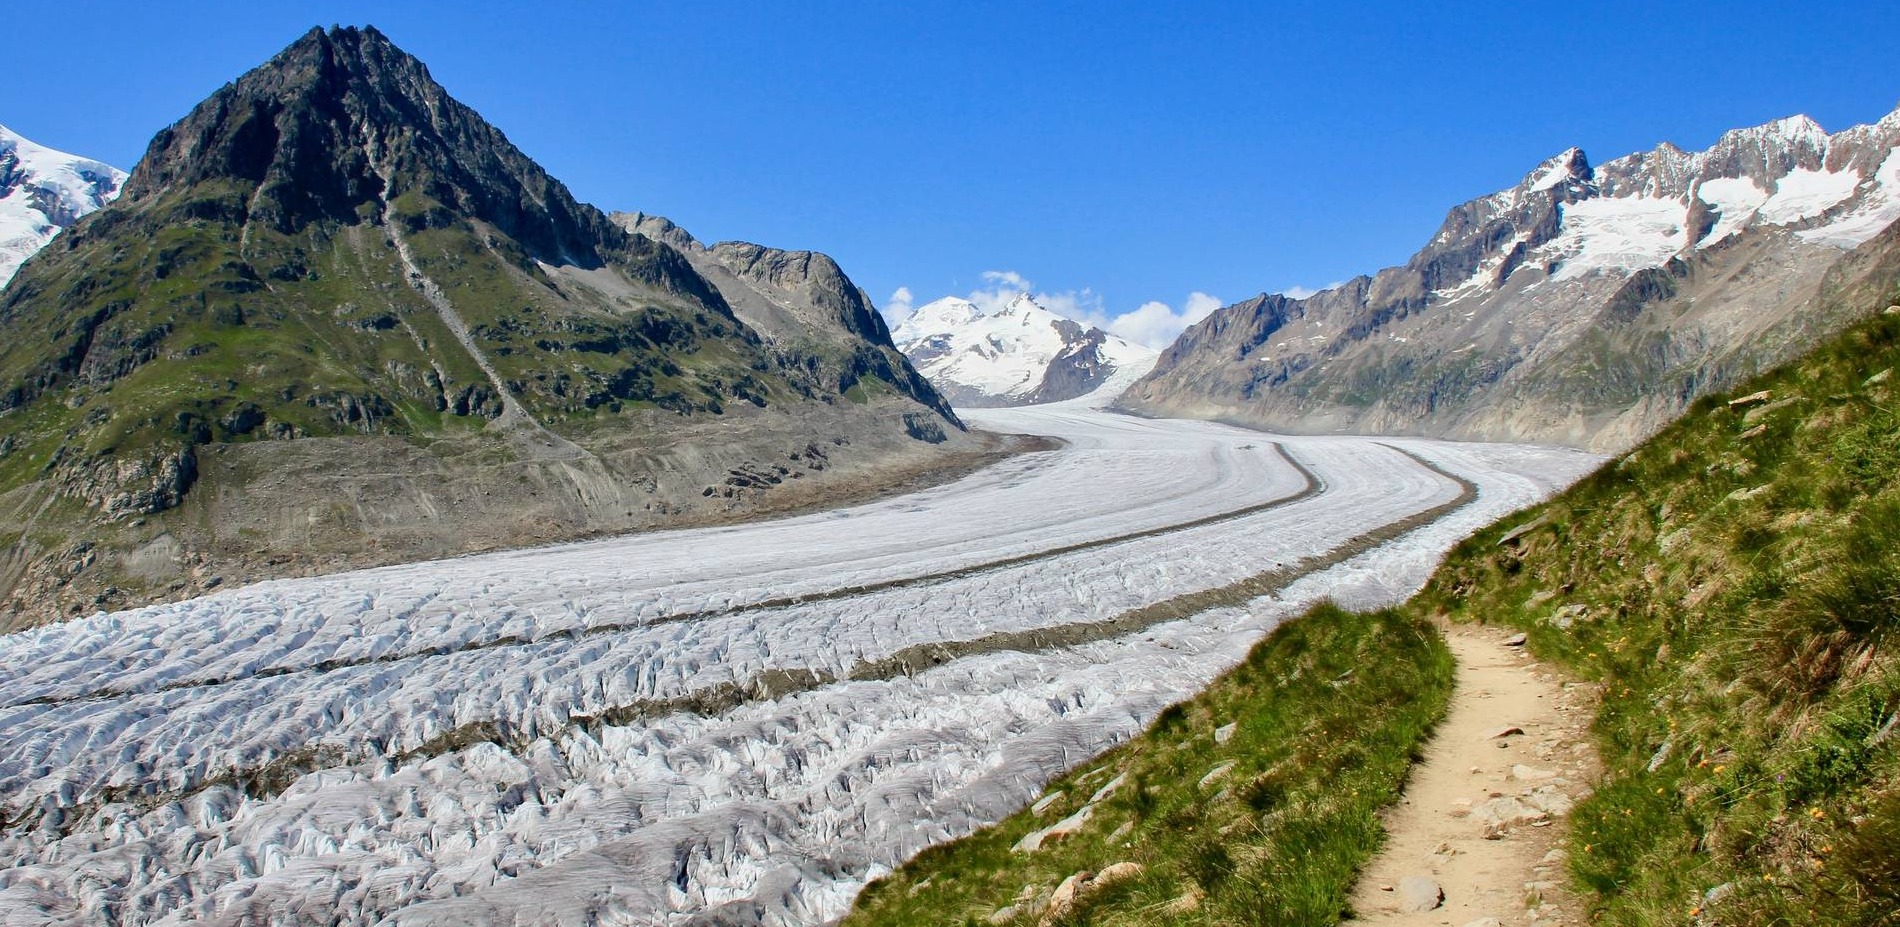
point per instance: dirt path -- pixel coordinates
(1477, 840)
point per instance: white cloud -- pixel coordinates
(1156, 324)
(899, 307)
(1007, 279)
(1303, 292)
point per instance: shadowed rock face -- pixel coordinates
(333, 249)
(1586, 305)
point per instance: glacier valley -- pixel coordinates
(741, 723)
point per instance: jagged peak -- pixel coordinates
(1023, 302)
(1665, 170)
(1566, 166)
(1794, 130)
(342, 121)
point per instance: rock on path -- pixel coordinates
(1482, 818)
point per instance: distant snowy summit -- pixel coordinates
(43, 191)
(1017, 355)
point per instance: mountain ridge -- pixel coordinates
(1512, 322)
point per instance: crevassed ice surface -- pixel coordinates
(652, 729)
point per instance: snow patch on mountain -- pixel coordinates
(1804, 193)
(43, 191)
(1016, 355)
(1618, 233)
(1880, 207)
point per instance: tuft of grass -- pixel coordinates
(1328, 712)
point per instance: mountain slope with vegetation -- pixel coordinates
(336, 318)
(1733, 588)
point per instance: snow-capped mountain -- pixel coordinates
(1584, 305)
(1016, 355)
(43, 191)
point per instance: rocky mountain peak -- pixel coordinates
(342, 120)
(1566, 167)
(1663, 171)
(1022, 303)
(1767, 152)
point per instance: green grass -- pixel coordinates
(1735, 584)
(1329, 712)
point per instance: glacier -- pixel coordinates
(43, 191)
(695, 725)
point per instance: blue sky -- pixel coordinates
(1113, 155)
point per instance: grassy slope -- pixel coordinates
(1329, 712)
(184, 315)
(1734, 582)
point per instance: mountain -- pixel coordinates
(43, 191)
(1016, 355)
(336, 312)
(1586, 305)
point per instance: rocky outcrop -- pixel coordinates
(1585, 305)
